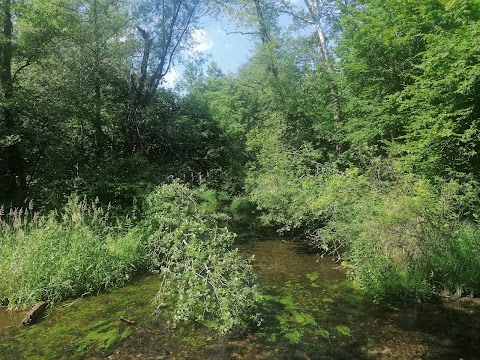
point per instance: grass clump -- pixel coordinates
(62, 255)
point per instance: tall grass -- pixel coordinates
(61, 255)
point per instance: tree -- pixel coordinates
(100, 38)
(162, 28)
(321, 14)
(13, 159)
(28, 30)
(257, 18)
(442, 135)
(316, 9)
(380, 50)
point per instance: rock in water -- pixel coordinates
(35, 313)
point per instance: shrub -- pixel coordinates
(410, 239)
(192, 253)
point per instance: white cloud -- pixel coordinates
(201, 41)
(171, 77)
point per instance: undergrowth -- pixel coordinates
(80, 251)
(403, 235)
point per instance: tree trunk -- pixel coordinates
(314, 8)
(265, 35)
(16, 181)
(100, 137)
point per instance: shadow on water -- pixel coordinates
(310, 310)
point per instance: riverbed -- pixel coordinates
(310, 310)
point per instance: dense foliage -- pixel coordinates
(185, 243)
(361, 135)
(79, 252)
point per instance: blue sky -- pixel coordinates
(229, 51)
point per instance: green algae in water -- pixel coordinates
(127, 333)
(287, 301)
(323, 333)
(313, 276)
(343, 330)
(294, 336)
(294, 320)
(102, 338)
(303, 318)
(193, 339)
(5, 347)
(85, 325)
(291, 300)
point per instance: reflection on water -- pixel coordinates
(310, 310)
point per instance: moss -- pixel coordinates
(103, 338)
(343, 330)
(313, 276)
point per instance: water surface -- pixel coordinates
(310, 310)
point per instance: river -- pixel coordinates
(310, 310)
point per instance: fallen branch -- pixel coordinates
(126, 320)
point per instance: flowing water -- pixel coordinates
(310, 310)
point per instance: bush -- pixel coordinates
(409, 240)
(192, 253)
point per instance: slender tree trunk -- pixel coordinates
(6, 71)
(100, 137)
(314, 8)
(265, 35)
(139, 95)
(15, 165)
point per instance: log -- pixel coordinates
(35, 313)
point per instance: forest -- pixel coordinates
(355, 128)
